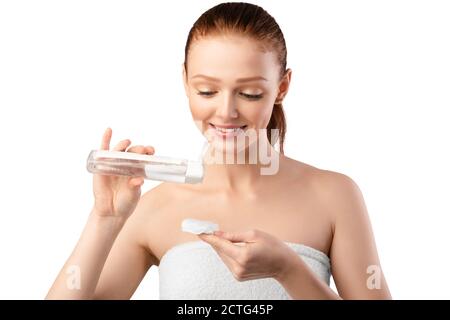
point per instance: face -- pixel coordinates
(232, 85)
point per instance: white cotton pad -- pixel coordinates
(198, 226)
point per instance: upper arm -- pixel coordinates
(355, 264)
(129, 258)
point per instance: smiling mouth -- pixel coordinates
(227, 131)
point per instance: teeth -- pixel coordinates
(226, 130)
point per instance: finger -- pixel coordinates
(246, 236)
(236, 268)
(230, 263)
(136, 149)
(150, 149)
(226, 259)
(106, 139)
(223, 245)
(142, 149)
(136, 182)
(122, 145)
(253, 276)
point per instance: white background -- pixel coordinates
(369, 98)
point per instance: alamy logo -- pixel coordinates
(73, 281)
(234, 150)
(374, 280)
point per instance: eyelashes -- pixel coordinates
(245, 95)
(252, 96)
(206, 93)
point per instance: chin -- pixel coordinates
(228, 151)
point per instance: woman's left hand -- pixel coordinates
(251, 254)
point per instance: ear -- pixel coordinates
(184, 75)
(283, 86)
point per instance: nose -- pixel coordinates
(227, 109)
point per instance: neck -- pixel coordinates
(241, 177)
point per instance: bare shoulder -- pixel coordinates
(156, 197)
(353, 250)
(336, 190)
(341, 193)
(335, 186)
(320, 178)
(145, 215)
(154, 205)
(159, 210)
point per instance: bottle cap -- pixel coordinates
(194, 172)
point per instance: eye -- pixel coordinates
(252, 96)
(206, 93)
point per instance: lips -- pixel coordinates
(227, 131)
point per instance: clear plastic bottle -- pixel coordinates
(146, 166)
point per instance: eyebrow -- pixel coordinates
(256, 78)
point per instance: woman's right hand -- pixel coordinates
(117, 196)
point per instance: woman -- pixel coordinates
(282, 234)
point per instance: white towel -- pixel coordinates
(193, 270)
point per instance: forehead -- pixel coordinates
(231, 56)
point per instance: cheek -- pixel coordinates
(201, 111)
(258, 115)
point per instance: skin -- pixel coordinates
(127, 233)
